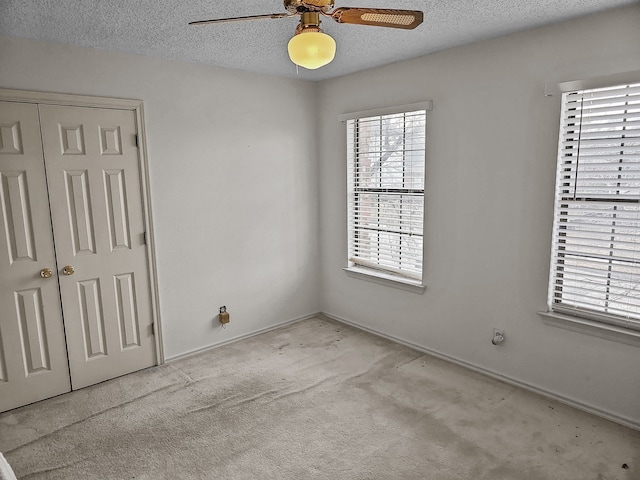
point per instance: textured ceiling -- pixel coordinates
(159, 28)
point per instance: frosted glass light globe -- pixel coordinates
(312, 49)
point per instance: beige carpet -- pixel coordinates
(314, 400)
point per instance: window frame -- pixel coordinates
(606, 325)
(361, 270)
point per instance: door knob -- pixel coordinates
(68, 270)
(46, 273)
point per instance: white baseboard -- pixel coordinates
(627, 422)
(195, 351)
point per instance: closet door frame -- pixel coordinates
(136, 106)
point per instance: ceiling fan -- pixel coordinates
(310, 48)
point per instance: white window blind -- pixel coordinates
(386, 173)
(595, 263)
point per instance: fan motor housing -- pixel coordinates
(300, 6)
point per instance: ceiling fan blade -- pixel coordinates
(239, 19)
(379, 17)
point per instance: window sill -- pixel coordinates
(389, 280)
(590, 327)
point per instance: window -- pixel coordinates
(386, 173)
(595, 262)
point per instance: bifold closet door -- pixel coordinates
(93, 174)
(33, 356)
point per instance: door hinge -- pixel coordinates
(153, 329)
(137, 140)
(145, 236)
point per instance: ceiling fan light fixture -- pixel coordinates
(311, 49)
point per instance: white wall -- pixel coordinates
(232, 160)
(492, 140)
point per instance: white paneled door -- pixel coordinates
(33, 356)
(90, 209)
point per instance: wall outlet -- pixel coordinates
(498, 336)
(224, 315)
